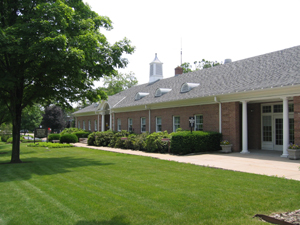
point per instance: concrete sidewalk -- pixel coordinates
(257, 162)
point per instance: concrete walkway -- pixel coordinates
(258, 161)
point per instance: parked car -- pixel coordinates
(24, 131)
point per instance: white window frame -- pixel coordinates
(176, 125)
(119, 124)
(158, 124)
(83, 125)
(89, 124)
(130, 129)
(198, 115)
(95, 125)
(143, 124)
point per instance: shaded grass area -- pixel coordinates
(84, 186)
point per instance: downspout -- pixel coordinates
(220, 114)
(149, 119)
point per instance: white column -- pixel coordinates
(103, 122)
(76, 124)
(110, 120)
(245, 129)
(285, 127)
(149, 121)
(98, 128)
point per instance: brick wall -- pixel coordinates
(231, 120)
(92, 118)
(210, 118)
(297, 119)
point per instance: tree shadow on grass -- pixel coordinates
(44, 166)
(117, 220)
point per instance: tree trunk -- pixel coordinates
(15, 155)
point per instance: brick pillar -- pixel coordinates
(297, 119)
(231, 120)
(178, 71)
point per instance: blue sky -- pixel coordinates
(213, 30)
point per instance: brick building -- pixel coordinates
(254, 103)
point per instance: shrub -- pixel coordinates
(52, 137)
(186, 142)
(116, 141)
(10, 140)
(139, 142)
(71, 130)
(154, 143)
(5, 137)
(103, 138)
(68, 138)
(91, 138)
(50, 145)
(82, 134)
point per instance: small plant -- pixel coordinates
(50, 145)
(224, 142)
(52, 137)
(294, 146)
(68, 138)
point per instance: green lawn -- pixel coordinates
(85, 186)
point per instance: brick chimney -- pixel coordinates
(178, 71)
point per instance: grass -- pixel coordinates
(84, 186)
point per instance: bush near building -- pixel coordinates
(183, 142)
(52, 137)
(68, 138)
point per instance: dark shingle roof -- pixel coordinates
(276, 69)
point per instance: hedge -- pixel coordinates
(68, 138)
(82, 134)
(185, 142)
(52, 137)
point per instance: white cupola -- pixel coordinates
(156, 71)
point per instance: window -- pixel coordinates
(83, 125)
(140, 95)
(96, 125)
(266, 109)
(186, 87)
(161, 91)
(130, 125)
(119, 124)
(199, 122)
(278, 108)
(143, 124)
(176, 123)
(158, 124)
(78, 124)
(89, 124)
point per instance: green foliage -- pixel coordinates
(52, 137)
(118, 83)
(10, 140)
(116, 141)
(50, 145)
(91, 138)
(103, 138)
(71, 130)
(68, 138)
(53, 51)
(31, 117)
(186, 142)
(5, 137)
(154, 143)
(139, 142)
(82, 134)
(199, 65)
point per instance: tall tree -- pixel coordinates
(118, 83)
(31, 117)
(54, 117)
(199, 65)
(52, 50)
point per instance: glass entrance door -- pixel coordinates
(278, 124)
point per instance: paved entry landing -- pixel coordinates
(258, 161)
